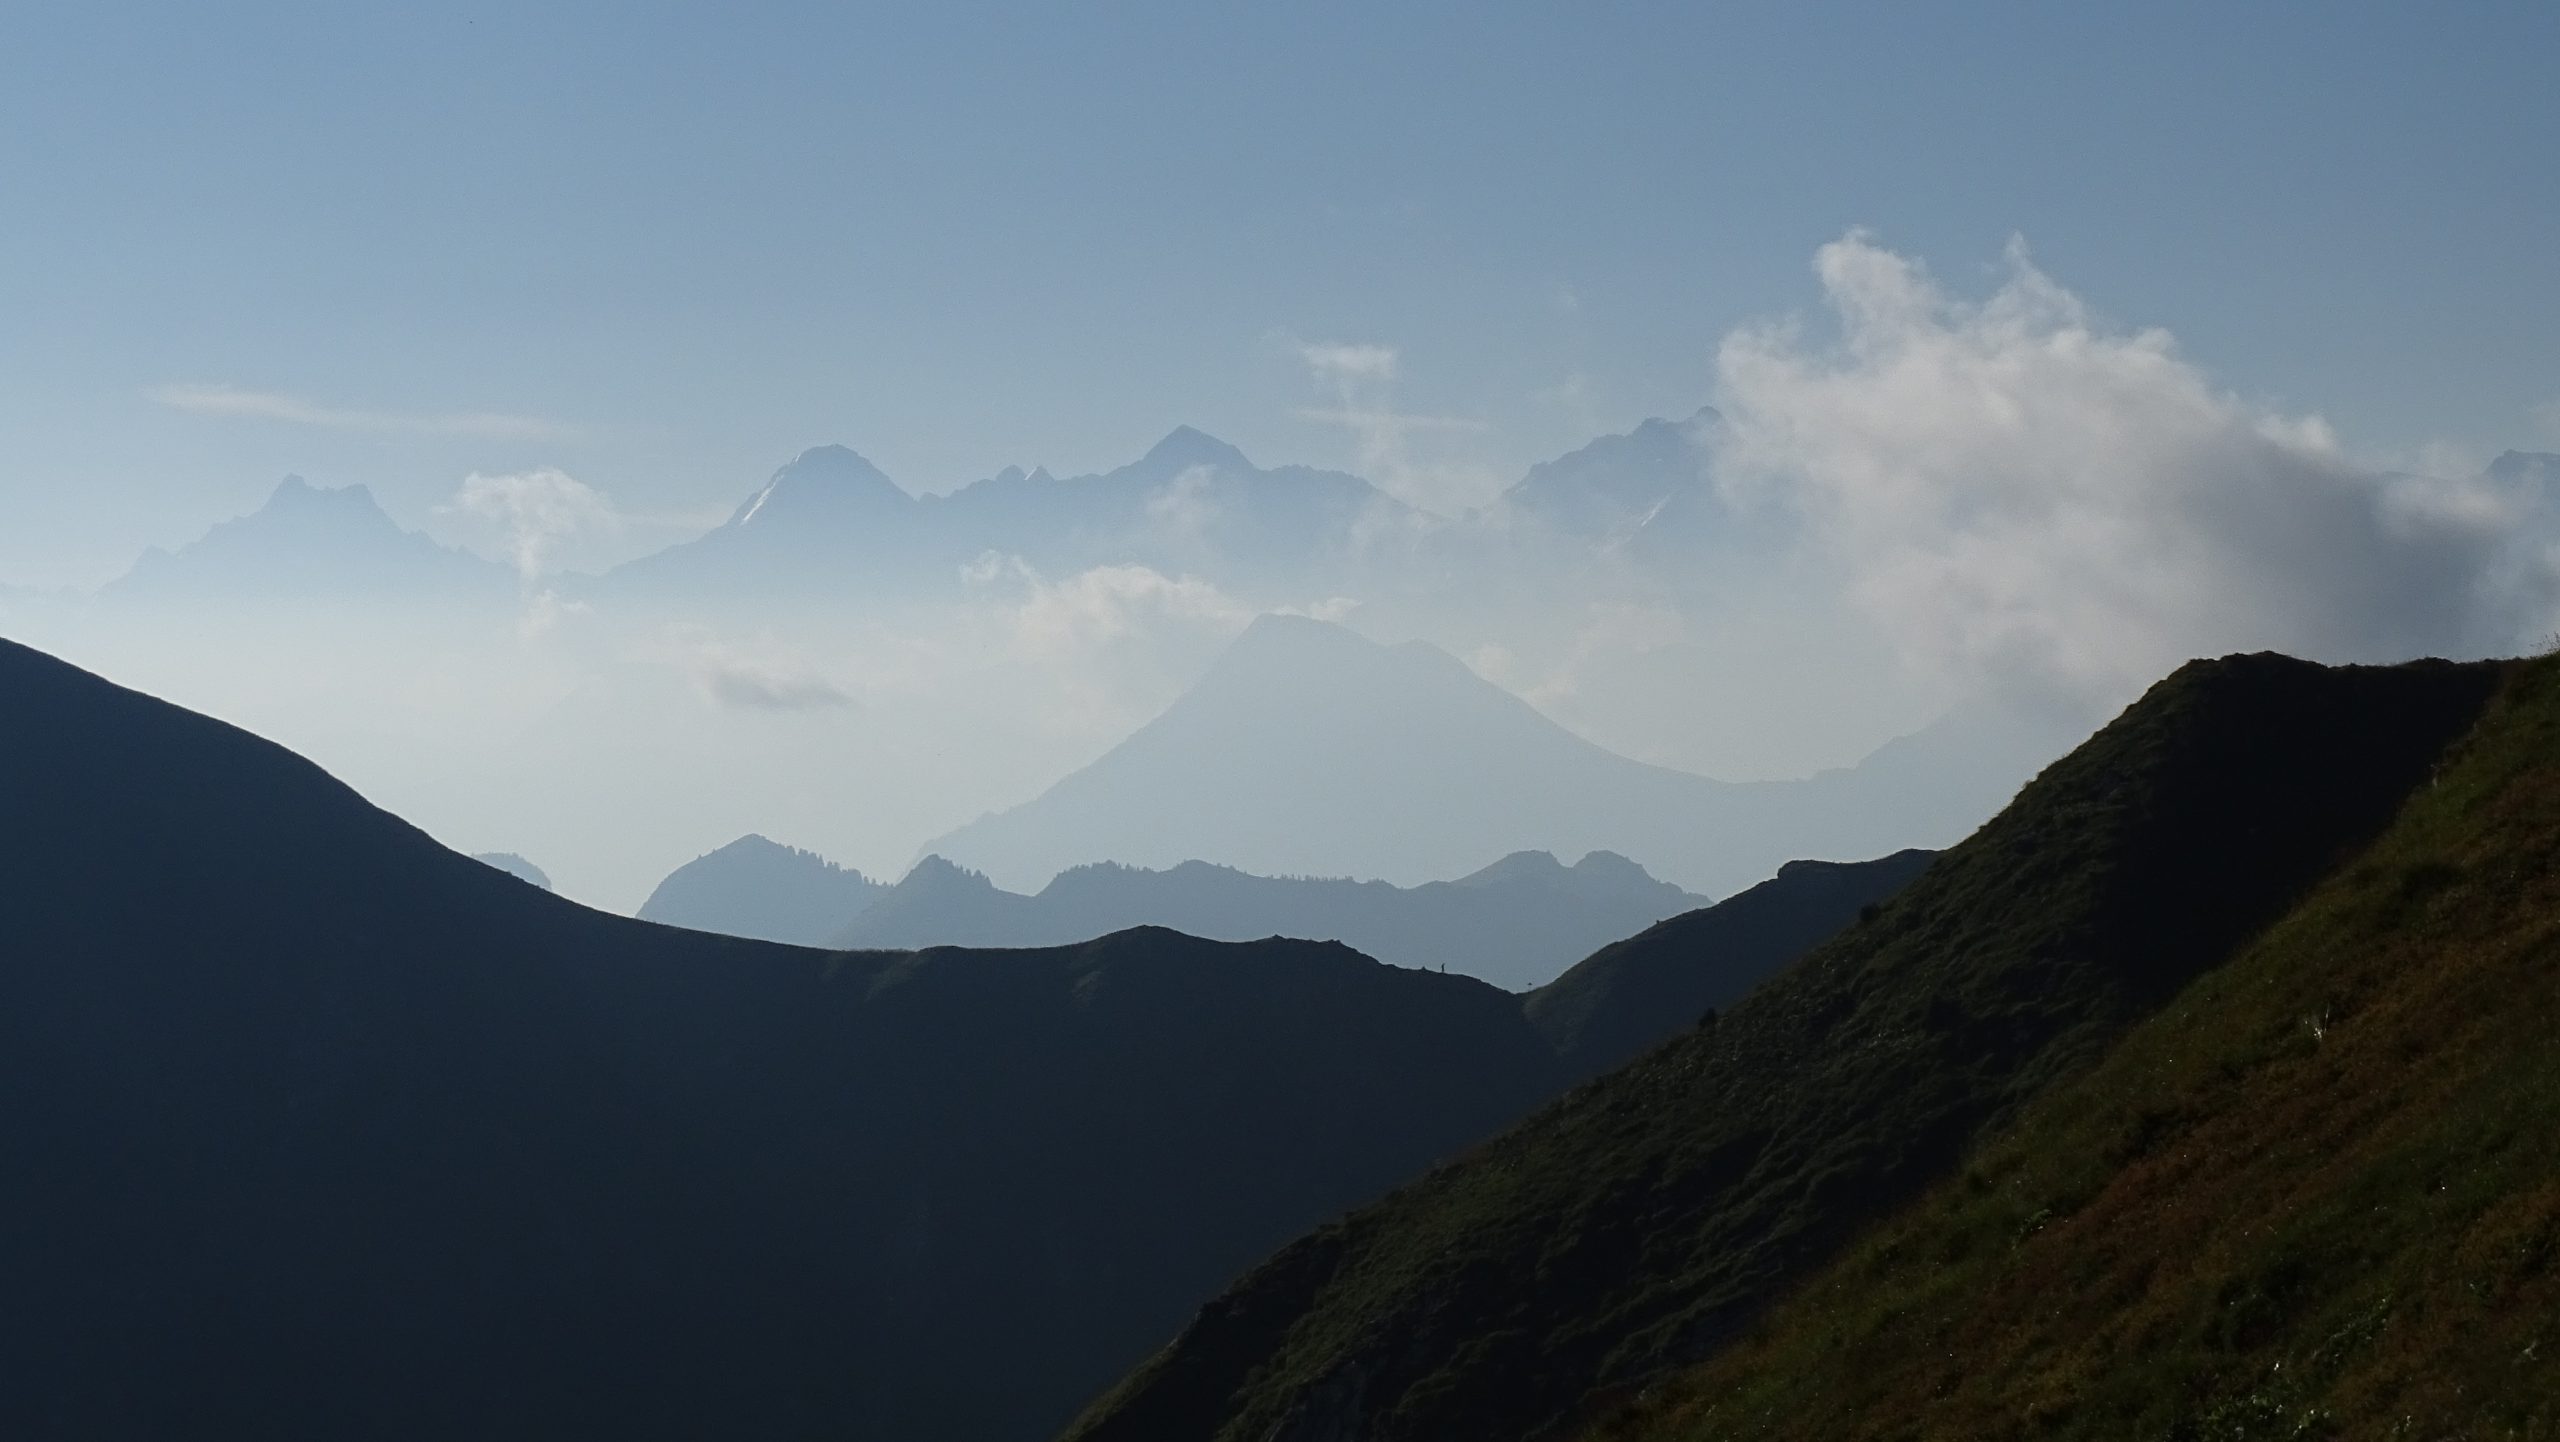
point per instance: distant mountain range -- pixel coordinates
(1516, 923)
(1309, 750)
(830, 522)
(761, 889)
(307, 541)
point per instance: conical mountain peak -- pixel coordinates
(1184, 447)
(822, 481)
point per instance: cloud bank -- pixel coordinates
(2032, 501)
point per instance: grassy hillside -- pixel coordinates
(1648, 1217)
(2316, 1196)
(1633, 994)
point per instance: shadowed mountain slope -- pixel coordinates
(1513, 924)
(1310, 750)
(761, 889)
(317, 1129)
(2317, 1195)
(1635, 993)
(1650, 1216)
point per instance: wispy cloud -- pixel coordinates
(764, 676)
(238, 402)
(1339, 362)
(1359, 381)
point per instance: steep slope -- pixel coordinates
(1636, 993)
(2317, 1195)
(1309, 750)
(1514, 924)
(316, 1129)
(762, 889)
(1649, 1216)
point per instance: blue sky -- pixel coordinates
(667, 247)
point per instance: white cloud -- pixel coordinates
(239, 402)
(2546, 419)
(538, 510)
(2028, 498)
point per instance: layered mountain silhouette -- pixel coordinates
(762, 889)
(1309, 750)
(1515, 923)
(306, 542)
(317, 1129)
(1653, 1216)
(830, 522)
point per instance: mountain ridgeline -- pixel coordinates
(1516, 923)
(1399, 762)
(317, 1129)
(2317, 1195)
(1652, 1216)
(761, 889)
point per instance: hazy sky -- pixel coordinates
(666, 247)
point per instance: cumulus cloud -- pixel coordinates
(538, 510)
(2026, 497)
(240, 402)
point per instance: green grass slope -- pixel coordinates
(2316, 1196)
(1648, 1217)
(1634, 994)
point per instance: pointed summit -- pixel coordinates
(1183, 448)
(823, 481)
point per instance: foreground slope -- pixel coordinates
(1651, 1215)
(1634, 993)
(316, 1129)
(2318, 1195)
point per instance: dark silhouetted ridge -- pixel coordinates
(316, 1129)
(1636, 993)
(1649, 1216)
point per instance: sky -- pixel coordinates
(665, 248)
